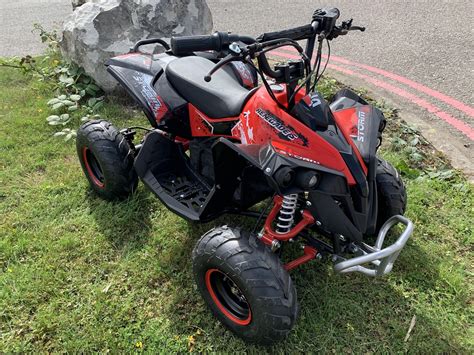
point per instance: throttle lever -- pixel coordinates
(345, 25)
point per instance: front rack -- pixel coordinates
(382, 259)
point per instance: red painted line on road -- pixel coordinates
(456, 123)
(417, 86)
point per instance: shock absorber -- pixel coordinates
(286, 215)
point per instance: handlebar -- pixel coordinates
(323, 22)
(323, 26)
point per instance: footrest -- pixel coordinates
(164, 168)
(381, 259)
(190, 193)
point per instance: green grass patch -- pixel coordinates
(81, 274)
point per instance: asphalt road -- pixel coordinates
(16, 23)
(429, 43)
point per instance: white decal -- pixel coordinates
(238, 131)
(299, 157)
(315, 101)
(210, 126)
(249, 130)
(147, 92)
(360, 126)
(276, 123)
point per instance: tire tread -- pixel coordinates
(260, 271)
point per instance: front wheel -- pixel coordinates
(391, 193)
(245, 285)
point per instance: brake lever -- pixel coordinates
(344, 29)
(347, 25)
(357, 28)
(236, 53)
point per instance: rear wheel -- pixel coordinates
(391, 193)
(245, 285)
(106, 159)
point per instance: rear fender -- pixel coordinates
(136, 73)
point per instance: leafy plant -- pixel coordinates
(64, 102)
(77, 97)
(67, 133)
(55, 120)
(49, 37)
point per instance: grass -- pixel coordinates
(81, 274)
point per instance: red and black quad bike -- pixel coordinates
(221, 143)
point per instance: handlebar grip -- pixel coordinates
(297, 33)
(215, 42)
(188, 44)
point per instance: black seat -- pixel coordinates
(222, 97)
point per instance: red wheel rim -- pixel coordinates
(93, 167)
(228, 297)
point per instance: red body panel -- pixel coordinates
(262, 121)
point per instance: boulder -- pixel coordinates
(77, 3)
(101, 29)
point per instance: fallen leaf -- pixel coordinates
(410, 328)
(106, 288)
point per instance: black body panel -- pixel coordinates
(314, 112)
(346, 98)
(218, 177)
(164, 167)
(177, 121)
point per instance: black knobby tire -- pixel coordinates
(106, 159)
(391, 193)
(266, 298)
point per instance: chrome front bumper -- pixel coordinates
(378, 261)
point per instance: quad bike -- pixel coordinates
(220, 143)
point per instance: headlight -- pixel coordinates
(284, 176)
(307, 179)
